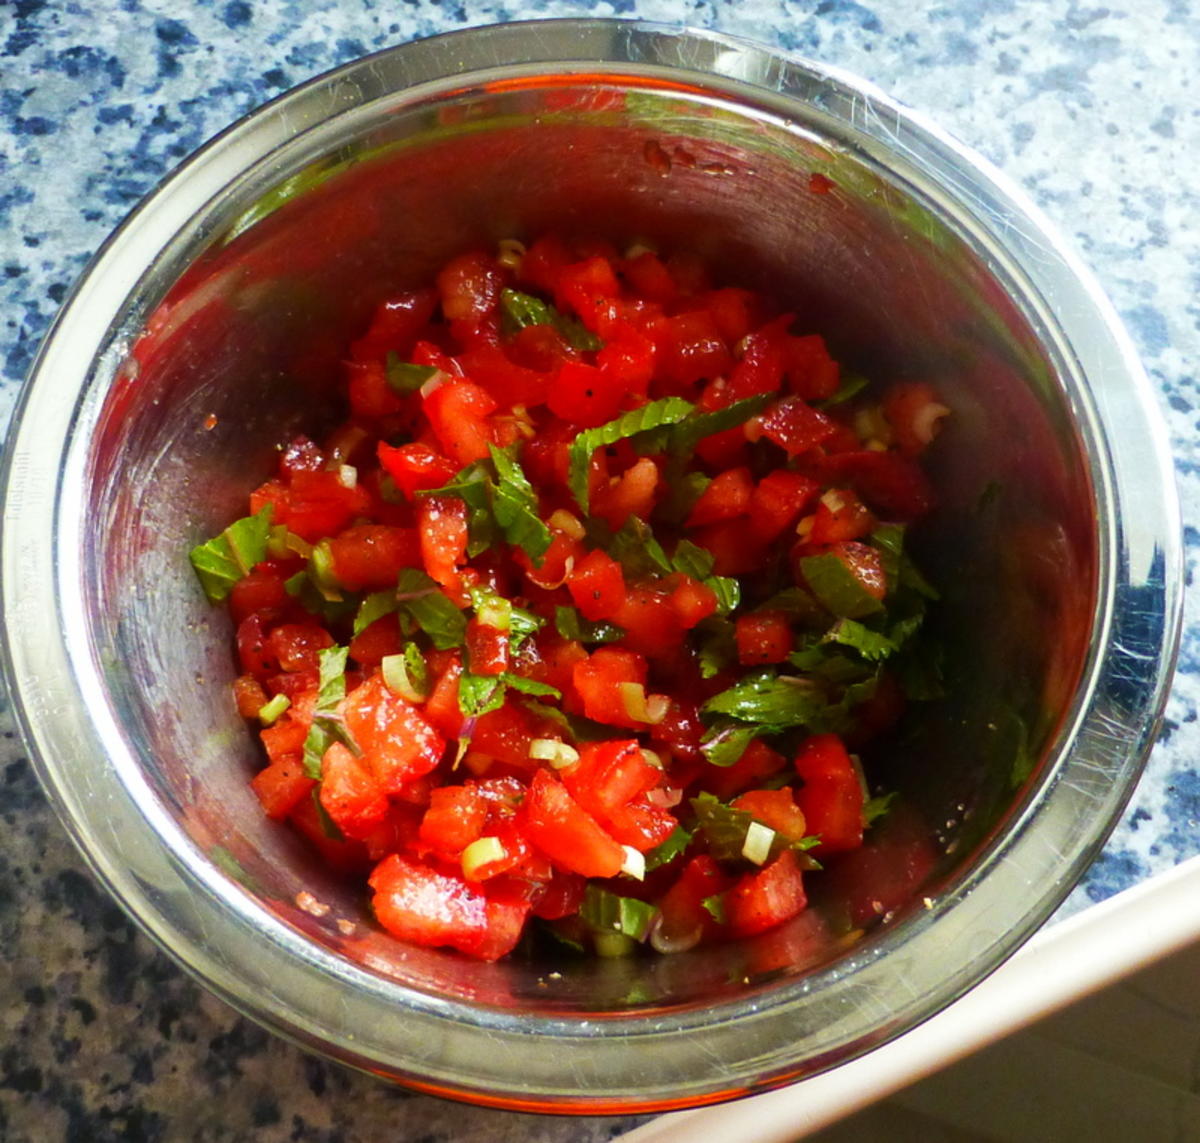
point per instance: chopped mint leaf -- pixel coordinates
(419, 596)
(666, 851)
(717, 649)
(726, 741)
(724, 829)
(851, 385)
(774, 701)
(374, 606)
(888, 540)
(530, 686)
(634, 548)
(714, 906)
(403, 377)
(693, 560)
(571, 625)
(683, 438)
(654, 415)
(875, 808)
(605, 912)
(838, 589)
(869, 644)
(480, 694)
(515, 506)
(221, 562)
(326, 725)
(328, 826)
(728, 592)
(473, 486)
(520, 310)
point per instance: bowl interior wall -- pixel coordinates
(245, 349)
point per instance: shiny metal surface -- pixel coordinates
(212, 322)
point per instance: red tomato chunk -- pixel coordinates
(560, 637)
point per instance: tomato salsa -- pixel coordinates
(575, 627)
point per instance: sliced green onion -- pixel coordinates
(483, 851)
(398, 676)
(634, 864)
(270, 712)
(757, 846)
(613, 946)
(551, 750)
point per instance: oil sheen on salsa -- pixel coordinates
(573, 631)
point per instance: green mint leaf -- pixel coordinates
(693, 560)
(221, 562)
(326, 726)
(714, 906)
(875, 808)
(633, 547)
(869, 644)
(472, 485)
(403, 377)
(519, 310)
(666, 851)
(571, 625)
(515, 506)
(728, 592)
(837, 588)
(724, 830)
(901, 572)
(374, 606)
(851, 385)
(684, 437)
(419, 596)
(530, 686)
(328, 826)
(726, 741)
(577, 728)
(668, 411)
(480, 694)
(605, 912)
(799, 606)
(778, 702)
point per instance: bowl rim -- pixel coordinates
(635, 1063)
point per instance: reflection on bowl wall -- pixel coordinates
(212, 328)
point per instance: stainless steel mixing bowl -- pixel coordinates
(211, 323)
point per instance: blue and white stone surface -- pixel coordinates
(1092, 107)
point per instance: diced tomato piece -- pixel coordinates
(778, 501)
(561, 896)
(301, 454)
(691, 348)
(470, 286)
(456, 817)
(609, 774)
(297, 645)
(810, 371)
(321, 505)
(758, 763)
(914, 413)
(597, 585)
(630, 494)
(281, 786)
(585, 286)
(627, 360)
(441, 708)
(415, 467)
(555, 664)
(650, 622)
(684, 917)
(506, 735)
(544, 262)
(891, 485)
(727, 496)
(371, 397)
(775, 808)
(736, 548)
(760, 369)
(640, 824)
(795, 425)
(648, 276)
(832, 796)
(398, 744)
(340, 853)
(376, 641)
(284, 740)
(487, 649)
(840, 516)
(566, 833)
(763, 637)
(692, 601)
(681, 730)
(369, 557)
(458, 413)
(433, 908)
(274, 493)
(261, 591)
(736, 312)
(760, 901)
(395, 326)
(442, 528)
(583, 395)
(864, 563)
(249, 696)
(509, 383)
(597, 681)
(350, 793)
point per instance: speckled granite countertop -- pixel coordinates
(1092, 108)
